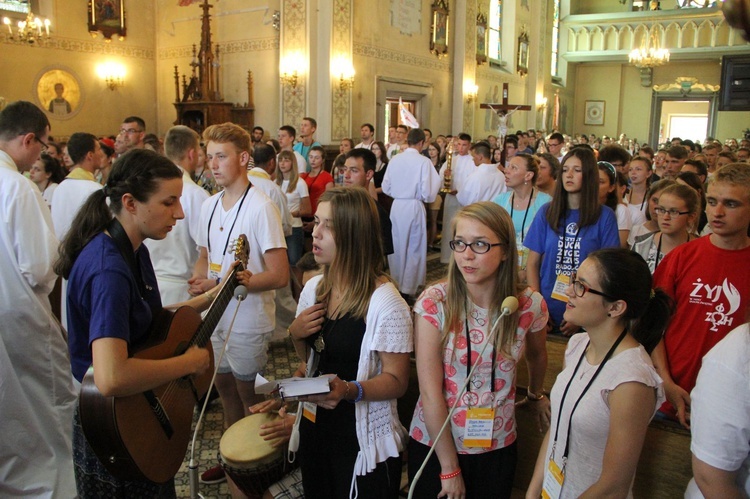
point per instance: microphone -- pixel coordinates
(507, 307)
(240, 292)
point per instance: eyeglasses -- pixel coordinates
(553, 144)
(45, 146)
(672, 212)
(478, 247)
(128, 131)
(581, 289)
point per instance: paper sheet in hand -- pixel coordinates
(294, 387)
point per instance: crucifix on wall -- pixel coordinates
(504, 110)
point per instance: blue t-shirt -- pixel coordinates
(563, 252)
(104, 300)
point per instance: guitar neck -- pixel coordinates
(216, 310)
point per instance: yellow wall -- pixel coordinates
(628, 104)
(73, 49)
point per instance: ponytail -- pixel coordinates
(91, 219)
(136, 173)
(624, 275)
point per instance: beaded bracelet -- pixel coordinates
(450, 475)
(360, 392)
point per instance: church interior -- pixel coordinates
(346, 64)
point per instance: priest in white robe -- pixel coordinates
(486, 182)
(462, 166)
(411, 181)
(36, 386)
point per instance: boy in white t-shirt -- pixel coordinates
(239, 209)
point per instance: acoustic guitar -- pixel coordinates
(145, 436)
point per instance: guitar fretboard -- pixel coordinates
(216, 310)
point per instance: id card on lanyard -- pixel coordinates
(562, 281)
(554, 476)
(479, 426)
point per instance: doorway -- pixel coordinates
(392, 115)
(691, 116)
(417, 96)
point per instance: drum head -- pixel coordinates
(242, 446)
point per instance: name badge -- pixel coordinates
(478, 429)
(553, 481)
(561, 284)
(214, 270)
(309, 411)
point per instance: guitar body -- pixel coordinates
(125, 432)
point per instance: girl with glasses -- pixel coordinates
(566, 230)
(608, 391)
(454, 319)
(677, 214)
(643, 230)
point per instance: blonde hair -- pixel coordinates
(499, 222)
(228, 132)
(293, 174)
(358, 264)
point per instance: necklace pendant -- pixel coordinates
(319, 344)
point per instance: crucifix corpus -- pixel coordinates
(504, 110)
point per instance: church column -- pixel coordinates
(537, 70)
(464, 64)
(341, 71)
(293, 61)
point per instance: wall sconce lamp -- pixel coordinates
(542, 104)
(289, 78)
(471, 91)
(290, 68)
(343, 71)
(113, 74)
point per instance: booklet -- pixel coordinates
(291, 388)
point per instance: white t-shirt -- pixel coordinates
(624, 220)
(293, 198)
(257, 218)
(69, 197)
(637, 215)
(720, 409)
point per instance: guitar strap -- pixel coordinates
(122, 241)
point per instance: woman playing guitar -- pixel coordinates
(113, 297)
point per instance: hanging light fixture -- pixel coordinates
(650, 54)
(31, 31)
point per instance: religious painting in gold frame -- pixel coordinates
(481, 38)
(107, 17)
(58, 92)
(523, 54)
(439, 28)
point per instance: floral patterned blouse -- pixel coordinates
(533, 318)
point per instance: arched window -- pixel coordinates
(496, 25)
(555, 38)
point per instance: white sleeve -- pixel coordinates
(302, 189)
(195, 201)
(307, 296)
(34, 245)
(624, 222)
(720, 417)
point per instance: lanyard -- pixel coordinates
(658, 249)
(125, 247)
(236, 216)
(468, 357)
(525, 213)
(567, 387)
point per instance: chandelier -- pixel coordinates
(650, 54)
(31, 31)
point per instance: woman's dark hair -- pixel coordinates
(137, 173)
(53, 167)
(611, 172)
(383, 151)
(624, 275)
(693, 180)
(589, 209)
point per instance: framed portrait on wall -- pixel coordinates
(107, 17)
(439, 28)
(481, 38)
(58, 92)
(594, 113)
(523, 54)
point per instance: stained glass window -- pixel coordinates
(496, 27)
(555, 37)
(20, 6)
